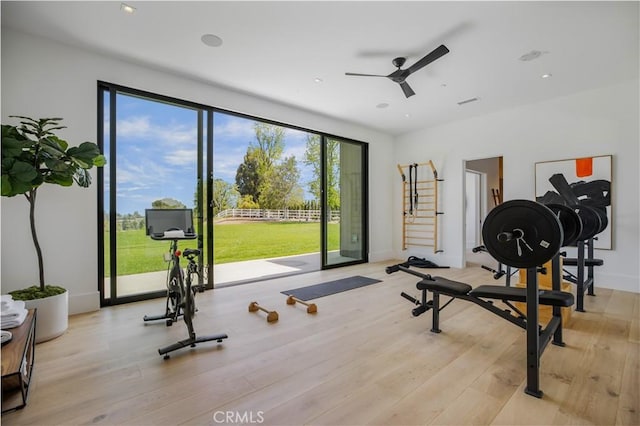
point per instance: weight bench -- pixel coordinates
(485, 295)
(457, 290)
(521, 234)
(582, 263)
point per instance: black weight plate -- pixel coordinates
(570, 221)
(604, 219)
(522, 233)
(591, 221)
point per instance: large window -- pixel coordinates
(259, 190)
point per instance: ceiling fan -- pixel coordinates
(400, 75)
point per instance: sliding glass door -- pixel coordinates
(154, 161)
(344, 222)
(288, 191)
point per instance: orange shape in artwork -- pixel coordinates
(584, 167)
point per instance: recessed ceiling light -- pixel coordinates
(317, 80)
(127, 9)
(546, 75)
(211, 40)
(407, 115)
(443, 85)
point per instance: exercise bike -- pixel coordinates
(176, 294)
(181, 292)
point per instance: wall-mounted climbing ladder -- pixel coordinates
(420, 205)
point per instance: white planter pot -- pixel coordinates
(52, 317)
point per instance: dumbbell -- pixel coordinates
(311, 307)
(272, 316)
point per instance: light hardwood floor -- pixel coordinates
(362, 359)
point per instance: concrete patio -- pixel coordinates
(226, 274)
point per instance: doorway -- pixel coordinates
(475, 183)
(483, 189)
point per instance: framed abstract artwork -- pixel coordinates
(582, 181)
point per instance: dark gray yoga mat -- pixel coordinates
(330, 287)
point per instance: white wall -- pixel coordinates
(41, 78)
(598, 122)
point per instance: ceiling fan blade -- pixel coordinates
(364, 75)
(435, 54)
(408, 91)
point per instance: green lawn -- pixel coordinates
(233, 242)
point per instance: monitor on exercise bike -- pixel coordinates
(168, 223)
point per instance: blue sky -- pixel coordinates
(157, 146)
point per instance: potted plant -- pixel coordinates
(33, 155)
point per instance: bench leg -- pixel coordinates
(435, 323)
(533, 336)
(592, 283)
(556, 280)
(580, 278)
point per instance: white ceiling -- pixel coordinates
(275, 50)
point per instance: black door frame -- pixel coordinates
(205, 122)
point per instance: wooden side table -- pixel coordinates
(17, 364)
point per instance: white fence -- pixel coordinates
(284, 214)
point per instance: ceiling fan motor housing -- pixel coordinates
(399, 62)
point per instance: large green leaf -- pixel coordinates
(55, 142)
(56, 164)
(18, 177)
(11, 132)
(84, 154)
(20, 187)
(12, 147)
(13, 143)
(6, 188)
(100, 161)
(7, 163)
(22, 171)
(63, 179)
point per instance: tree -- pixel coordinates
(247, 176)
(262, 156)
(33, 155)
(225, 196)
(312, 159)
(246, 202)
(167, 203)
(269, 145)
(280, 187)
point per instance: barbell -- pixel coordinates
(526, 234)
(522, 233)
(570, 221)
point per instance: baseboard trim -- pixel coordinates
(85, 302)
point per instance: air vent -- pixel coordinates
(534, 54)
(466, 101)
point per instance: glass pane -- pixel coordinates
(156, 167)
(345, 238)
(106, 200)
(265, 200)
